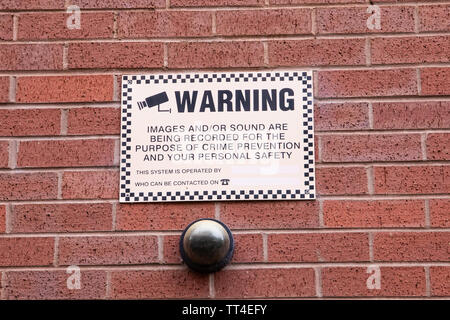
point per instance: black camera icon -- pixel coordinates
(155, 100)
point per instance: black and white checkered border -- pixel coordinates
(126, 195)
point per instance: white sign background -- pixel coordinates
(167, 155)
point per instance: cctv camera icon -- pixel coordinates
(155, 100)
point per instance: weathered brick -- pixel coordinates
(411, 115)
(4, 89)
(215, 3)
(371, 147)
(341, 180)
(440, 281)
(171, 249)
(440, 213)
(248, 248)
(4, 153)
(6, 27)
(157, 24)
(314, 1)
(66, 153)
(104, 250)
(264, 22)
(28, 186)
(265, 283)
(2, 219)
(102, 184)
(374, 213)
(31, 4)
(52, 284)
(67, 217)
(111, 55)
(161, 216)
(354, 19)
(30, 122)
(215, 54)
(411, 246)
(362, 83)
(318, 247)
(352, 282)
(270, 215)
(46, 89)
(53, 26)
(435, 81)
(85, 121)
(31, 56)
(163, 284)
(412, 180)
(410, 49)
(26, 251)
(119, 4)
(438, 146)
(317, 52)
(434, 18)
(341, 116)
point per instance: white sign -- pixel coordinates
(217, 136)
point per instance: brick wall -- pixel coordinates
(382, 120)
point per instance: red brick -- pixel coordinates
(341, 180)
(67, 217)
(248, 248)
(411, 115)
(6, 27)
(31, 56)
(171, 249)
(215, 3)
(157, 24)
(46, 89)
(440, 213)
(411, 246)
(28, 186)
(100, 250)
(263, 22)
(434, 18)
(31, 4)
(270, 214)
(215, 54)
(317, 52)
(161, 216)
(66, 153)
(102, 184)
(412, 180)
(352, 281)
(4, 89)
(265, 283)
(86, 121)
(30, 122)
(112, 55)
(26, 251)
(410, 50)
(354, 19)
(158, 284)
(362, 83)
(4, 153)
(371, 147)
(52, 284)
(438, 146)
(113, 4)
(341, 116)
(374, 213)
(315, 1)
(440, 281)
(2, 219)
(318, 247)
(435, 81)
(53, 25)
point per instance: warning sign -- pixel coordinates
(217, 136)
